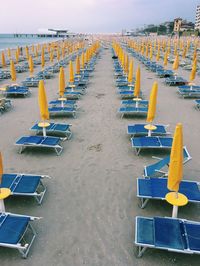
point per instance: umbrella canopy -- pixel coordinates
(42, 100)
(78, 68)
(176, 62)
(165, 59)
(71, 72)
(83, 60)
(12, 70)
(9, 53)
(61, 82)
(3, 60)
(176, 160)
(27, 52)
(31, 65)
(16, 55)
(193, 73)
(137, 83)
(130, 73)
(152, 103)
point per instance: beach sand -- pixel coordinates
(90, 205)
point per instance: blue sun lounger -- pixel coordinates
(140, 143)
(163, 73)
(62, 111)
(39, 142)
(16, 232)
(129, 110)
(156, 169)
(72, 95)
(25, 185)
(175, 81)
(197, 104)
(156, 188)
(171, 234)
(55, 129)
(129, 94)
(132, 103)
(31, 82)
(66, 102)
(139, 130)
(189, 93)
(16, 90)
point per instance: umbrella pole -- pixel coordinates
(44, 131)
(2, 206)
(175, 211)
(62, 104)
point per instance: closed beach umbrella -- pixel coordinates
(71, 72)
(165, 59)
(9, 53)
(126, 64)
(58, 54)
(137, 83)
(152, 103)
(130, 73)
(31, 65)
(175, 173)
(61, 82)
(193, 73)
(16, 55)
(3, 60)
(176, 62)
(42, 58)
(78, 67)
(42, 100)
(12, 71)
(27, 52)
(83, 60)
(151, 53)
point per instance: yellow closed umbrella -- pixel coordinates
(71, 72)
(137, 83)
(78, 67)
(16, 55)
(126, 64)
(3, 60)
(61, 82)
(151, 53)
(27, 52)
(175, 173)
(12, 70)
(130, 73)
(42, 58)
(176, 62)
(152, 103)
(165, 59)
(31, 65)
(43, 106)
(9, 53)
(193, 73)
(83, 61)
(58, 54)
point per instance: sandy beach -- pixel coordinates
(90, 205)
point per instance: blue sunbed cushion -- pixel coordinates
(52, 127)
(145, 232)
(193, 235)
(12, 228)
(21, 183)
(49, 141)
(145, 142)
(133, 109)
(61, 109)
(139, 128)
(168, 233)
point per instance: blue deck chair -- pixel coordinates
(55, 129)
(40, 142)
(189, 93)
(156, 188)
(156, 169)
(16, 90)
(197, 104)
(61, 111)
(175, 81)
(31, 82)
(139, 130)
(171, 234)
(135, 111)
(5, 104)
(164, 73)
(16, 232)
(72, 95)
(140, 143)
(132, 103)
(129, 94)
(25, 185)
(66, 102)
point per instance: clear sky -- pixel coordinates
(90, 15)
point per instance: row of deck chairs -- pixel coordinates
(56, 133)
(129, 106)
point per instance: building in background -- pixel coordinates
(197, 19)
(177, 24)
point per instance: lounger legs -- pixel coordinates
(143, 203)
(26, 246)
(140, 251)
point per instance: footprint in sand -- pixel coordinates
(97, 147)
(100, 95)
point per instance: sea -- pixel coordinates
(14, 40)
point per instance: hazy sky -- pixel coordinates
(90, 15)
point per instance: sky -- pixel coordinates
(91, 16)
